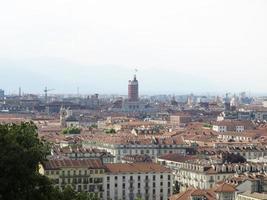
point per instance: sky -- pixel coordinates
(178, 46)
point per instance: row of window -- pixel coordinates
(75, 172)
(138, 185)
(81, 180)
(138, 178)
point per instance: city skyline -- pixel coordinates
(121, 88)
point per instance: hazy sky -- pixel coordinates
(178, 46)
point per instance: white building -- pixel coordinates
(148, 181)
(251, 196)
(122, 146)
(236, 126)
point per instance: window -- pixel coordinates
(108, 186)
(161, 176)
(154, 177)
(169, 184)
(139, 185)
(116, 178)
(169, 177)
(161, 183)
(123, 185)
(108, 179)
(116, 185)
(139, 178)
(154, 191)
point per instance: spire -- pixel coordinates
(135, 71)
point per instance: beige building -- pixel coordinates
(180, 120)
(251, 196)
(205, 173)
(81, 175)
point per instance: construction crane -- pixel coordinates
(46, 91)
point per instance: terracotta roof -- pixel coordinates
(224, 187)
(206, 194)
(68, 163)
(177, 157)
(136, 167)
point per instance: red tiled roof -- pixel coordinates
(68, 163)
(136, 167)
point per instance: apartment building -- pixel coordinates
(205, 173)
(180, 120)
(79, 153)
(114, 181)
(81, 175)
(235, 126)
(121, 146)
(238, 137)
(129, 181)
(251, 196)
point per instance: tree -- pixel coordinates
(21, 151)
(71, 130)
(110, 131)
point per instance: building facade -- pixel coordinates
(144, 180)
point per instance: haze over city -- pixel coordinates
(177, 46)
(133, 100)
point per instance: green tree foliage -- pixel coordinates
(21, 151)
(71, 130)
(110, 131)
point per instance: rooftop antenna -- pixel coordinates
(135, 71)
